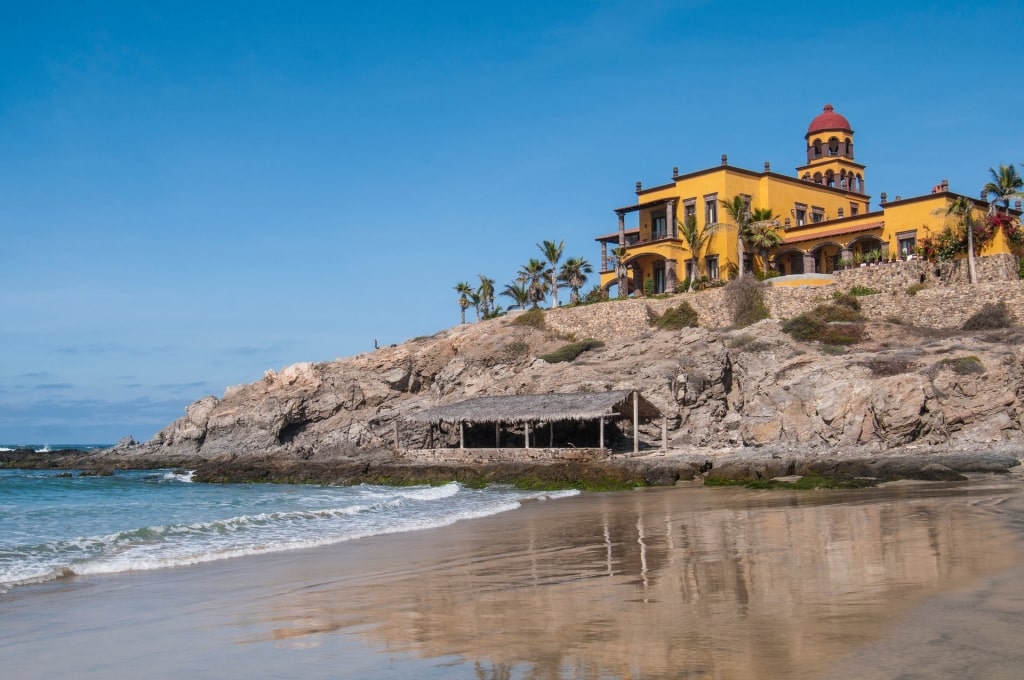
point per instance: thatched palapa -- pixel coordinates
(541, 408)
(544, 409)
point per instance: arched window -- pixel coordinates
(833, 147)
(860, 183)
(830, 179)
(817, 178)
(817, 148)
(849, 148)
(806, 177)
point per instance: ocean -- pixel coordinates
(58, 524)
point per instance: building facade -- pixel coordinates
(822, 216)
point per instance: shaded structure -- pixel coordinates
(545, 409)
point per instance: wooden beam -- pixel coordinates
(462, 435)
(601, 433)
(636, 422)
(527, 425)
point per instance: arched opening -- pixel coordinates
(806, 177)
(830, 178)
(817, 178)
(863, 246)
(827, 257)
(833, 146)
(817, 148)
(849, 148)
(790, 262)
(843, 180)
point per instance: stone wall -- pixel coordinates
(946, 300)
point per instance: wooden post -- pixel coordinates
(497, 435)
(600, 429)
(462, 435)
(636, 422)
(551, 435)
(527, 426)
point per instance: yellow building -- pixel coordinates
(822, 214)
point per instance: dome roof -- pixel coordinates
(828, 119)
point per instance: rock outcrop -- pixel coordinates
(752, 388)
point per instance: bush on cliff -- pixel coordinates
(832, 324)
(533, 318)
(745, 298)
(571, 351)
(682, 315)
(992, 315)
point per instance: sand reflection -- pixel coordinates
(680, 583)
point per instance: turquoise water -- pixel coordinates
(56, 525)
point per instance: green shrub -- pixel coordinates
(846, 300)
(833, 324)
(863, 290)
(1020, 268)
(571, 351)
(964, 365)
(684, 285)
(915, 288)
(745, 297)
(682, 315)
(534, 318)
(595, 294)
(648, 287)
(992, 315)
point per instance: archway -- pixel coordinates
(827, 257)
(790, 262)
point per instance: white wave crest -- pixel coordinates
(180, 476)
(434, 493)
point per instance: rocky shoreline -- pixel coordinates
(656, 469)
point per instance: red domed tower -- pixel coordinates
(830, 154)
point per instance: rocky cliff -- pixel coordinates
(905, 387)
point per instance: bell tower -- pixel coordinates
(830, 154)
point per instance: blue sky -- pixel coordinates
(194, 192)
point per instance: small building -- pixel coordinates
(531, 420)
(822, 219)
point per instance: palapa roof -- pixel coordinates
(541, 408)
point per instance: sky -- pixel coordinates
(192, 193)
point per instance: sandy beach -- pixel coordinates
(909, 580)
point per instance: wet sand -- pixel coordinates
(909, 581)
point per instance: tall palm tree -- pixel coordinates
(552, 253)
(621, 274)
(534, 275)
(486, 292)
(464, 291)
(518, 292)
(1005, 184)
(764, 233)
(696, 240)
(962, 209)
(574, 274)
(738, 208)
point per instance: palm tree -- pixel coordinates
(574, 275)
(552, 253)
(621, 275)
(738, 208)
(518, 292)
(474, 300)
(534, 275)
(764, 233)
(696, 240)
(962, 209)
(464, 291)
(1005, 184)
(486, 292)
